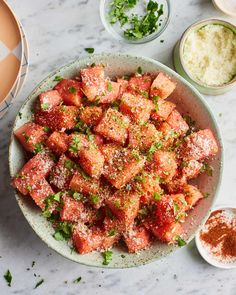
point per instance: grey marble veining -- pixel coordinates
(58, 31)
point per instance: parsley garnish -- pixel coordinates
(207, 168)
(156, 196)
(75, 145)
(39, 283)
(206, 195)
(58, 78)
(44, 106)
(63, 231)
(107, 257)
(180, 241)
(38, 147)
(90, 50)
(109, 86)
(72, 89)
(20, 115)
(46, 129)
(8, 277)
(155, 100)
(69, 164)
(139, 70)
(111, 232)
(94, 199)
(151, 151)
(76, 281)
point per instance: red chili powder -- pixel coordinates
(219, 234)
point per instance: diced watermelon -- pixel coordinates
(49, 99)
(91, 115)
(191, 169)
(58, 118)
(93, 82)
(123, 85)
(87, 240)
(199, 145)
(147, 185)
(108, 150)
(137, 238)
(84, 184)
(165, 164)
(92, 161)
(193, 195)
(34, 170)
(142, 136)
(58, 142)
(168, 135)
(30, 135)
(136, 107)
(162, 86)
(111, 94)
(141, 84)
(70, 91)
(176, 184)
(62, 173)
(124, 205)
(75, 211)
(124, 165)
(167, 233)
(40, 191)
(162, 112)
(177, 123)
(113, 126)
(76, 143)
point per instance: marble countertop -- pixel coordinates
(58, 31)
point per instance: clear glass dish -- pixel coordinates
(118, 33)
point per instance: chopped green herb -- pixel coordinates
(109, 86)
(72, 89)
(75, 145)
(162, 41)
(151, 151)
(26, 137)
(8, 277)
(20, 115)
(58, 78)
(180, 216)
(46, 129)
(156, 196)
(38, 147)
(207, 168)
(107, 257)
(77, 196)
(39, 283)
(57, 197)
(93, 65)
(29, 188)
(33, 263)
(111, 232)
(44, 106)
(69, 164)
(122, 256)
(117, 203)
(90, 50)
(155, 100)
(116, 104)
(94, 199)
(76, 281)
(63, 231)
(176, 208)
(180, 241)
(58, 236)
(206, 195)
(139, 70)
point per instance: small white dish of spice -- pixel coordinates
(216, 241)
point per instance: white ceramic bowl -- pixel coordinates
(202, 249)
(187, 99)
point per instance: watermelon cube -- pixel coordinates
(91, 115)
(40, 191)
(167, 134)
(30, 135)
(92, 161)
(76, 143)
(58, 142)
(143, 136)
(136, 107)
(177, 123)
(34, 170)
(49, 99)
(163, 110)
(113, 126)
(70, 91)
(137, 238)
(200, 145)
(111, 94)
(93, 82)
(165, 164)
(191, 168)
(176, 184)
(75, 211)
(59, 118)
(140, 84)
(193, 195)
(62, 173)
(162, 86)
(123, 85)
(108, 150)
(167, 233)
(123, 167)
(124, 205)
(84, 184)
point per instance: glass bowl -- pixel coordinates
(118, 33)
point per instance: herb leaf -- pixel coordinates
(58, 78)
(107, 257)
(180, 241)
(76, 281)
(90, 50)
(8, 277)
(39, 283)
